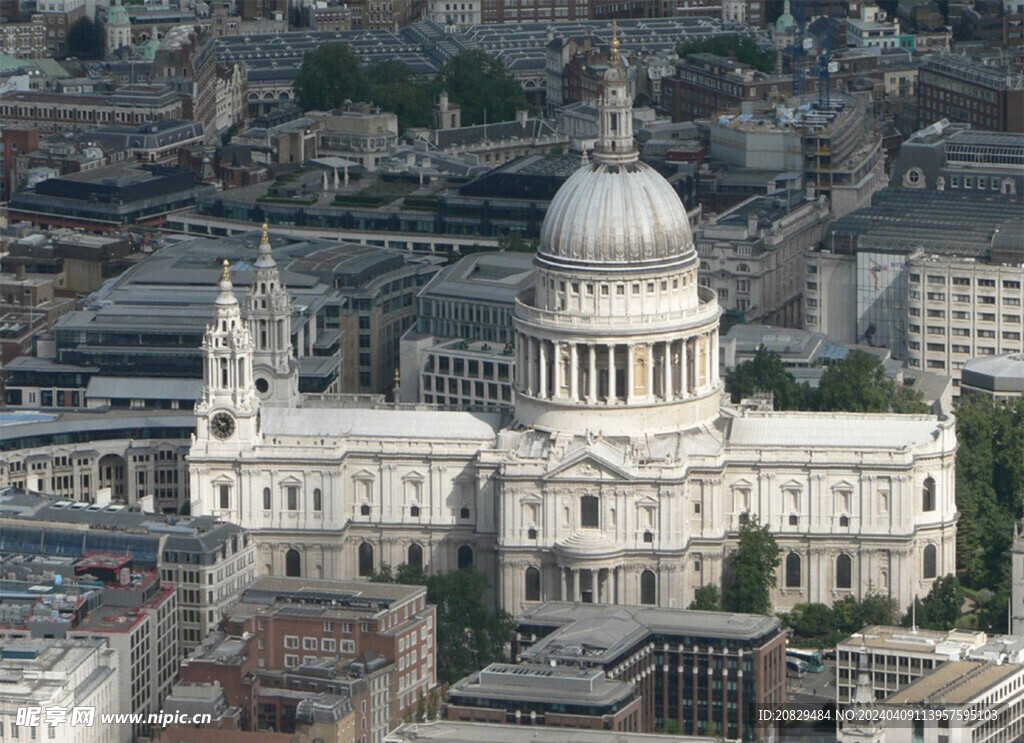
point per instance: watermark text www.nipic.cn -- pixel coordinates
(31, 717)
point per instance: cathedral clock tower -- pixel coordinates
(227, 416)
(275, 370)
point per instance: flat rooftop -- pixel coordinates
(599, 634)
(476, 732)
(959, 682)
(542, 683)
(495, 278)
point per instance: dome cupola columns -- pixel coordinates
(616, 337)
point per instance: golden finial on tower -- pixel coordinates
(266, 239)
(397, 377)
(226, 276)
(615, 42)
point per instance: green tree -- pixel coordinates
(989, 487)
(433, 706)
(395, 87)
(811, 621)
(469, 635)
(766, 373)
(941, 608)
(85, 39)
(706, 598)
(740, 46)
(752, 570)
(857, 384)
(515, 242)
(876, 609)
(383, 574)
(480, 83)
(907, 400)
(330, 74)
(421, 709)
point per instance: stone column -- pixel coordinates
(650, 370)
(683, 372)
(613, 577)
(566, 584)
(592, 381)
(556, 357)
(714, 358)
(630, 381)
(574, 372)
(542, 391)
(611, 374)
(530, 375)
(576, 593)
(666, 371)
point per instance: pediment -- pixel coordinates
(587, 465)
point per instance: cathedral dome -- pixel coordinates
(610, 215)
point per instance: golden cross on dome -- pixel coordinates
(226, 276)
(615, 42)
(265, 228)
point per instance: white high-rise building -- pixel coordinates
(621, 477)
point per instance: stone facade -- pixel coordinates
(623, 478)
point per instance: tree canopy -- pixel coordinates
(706, 598)
(332, 74)
(751, 570)
(483, 86)
(857, 384)
(85, 39)
(824, 626)
(989, 494)
(469, 635)
(941, 608)
(740, 46)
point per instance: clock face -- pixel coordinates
(222, 425)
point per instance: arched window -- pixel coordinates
(318, 500)
(844, 572)
(792, 570)
(743, 268)
(589, 512)
(414, 556)
(465, 557)
(648, 588)
(267, 500)
(928, 495)
(532, 584)
(365, 560)
(929, 561)
(292, 564)
(464, 513)
(364, 510)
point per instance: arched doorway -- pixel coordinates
(292, 564)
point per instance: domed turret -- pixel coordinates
(616, 336)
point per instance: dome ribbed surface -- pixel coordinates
(624, 214)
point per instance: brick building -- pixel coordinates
(958, 88)
(706, 671)
(372, 642)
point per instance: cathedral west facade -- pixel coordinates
(621, 478)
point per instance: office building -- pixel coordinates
(950, 156)
(705, 671)
(752, 255)
(958, 88)
(106, 199)
(558, 696)
(473, 732)
(60, 673)
(104, 597)
(837, 147)
(705, 85)
(62, 112)
(372, 643)
(460, 352)
(25, 39)
(934, 309)
(996, 690)
(871, 28)
(209, 562)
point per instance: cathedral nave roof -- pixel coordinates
(383, 423)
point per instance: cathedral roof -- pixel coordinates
(382, 423)
(832, 430)
(621, 214)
